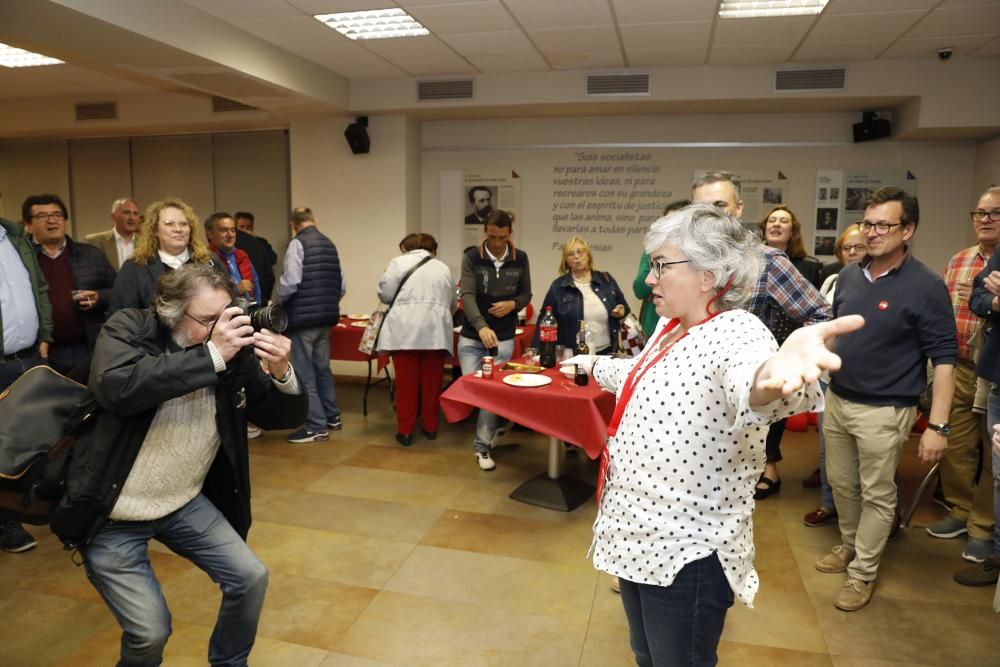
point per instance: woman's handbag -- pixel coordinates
(369, 339)
(41, 415)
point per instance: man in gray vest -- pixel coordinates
(310, 289)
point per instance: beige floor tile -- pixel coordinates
(606, 645)
(354, 516)
(848, 661)
(738, 653)
(527, 586)
(391, 485)
(39, 629)
(427, 632)
(341, 660)
(509, 536)
(348, 559)
(262, 496)
(283, 473)
(493, 497)
(329, 452)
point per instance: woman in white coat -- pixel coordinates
(417, 331)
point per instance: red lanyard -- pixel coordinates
(631, 381)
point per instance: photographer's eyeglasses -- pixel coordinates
(881, 228)
(980, 215)
(656, 265)
(207, 325)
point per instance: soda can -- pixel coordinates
(487, 367)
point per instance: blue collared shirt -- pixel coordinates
(17, 300)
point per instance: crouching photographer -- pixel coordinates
(168, 459)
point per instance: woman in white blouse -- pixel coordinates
(686, 443)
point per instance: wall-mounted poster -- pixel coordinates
(841, 196)
(484, 191)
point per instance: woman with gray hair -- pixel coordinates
(686, 441)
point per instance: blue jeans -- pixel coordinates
(470, 356)
(311, 361)
(680, 624)
(992, 418)
(117, 564)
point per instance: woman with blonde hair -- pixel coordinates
(581, 293)
(171, 238)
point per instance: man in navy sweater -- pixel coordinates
(871, 402)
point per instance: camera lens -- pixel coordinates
(271, 317)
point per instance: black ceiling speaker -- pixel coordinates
(357, 136)
(871, 127)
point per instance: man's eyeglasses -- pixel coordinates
(881, 228)
(857, 247)
(56, 215)
(207, 325)
(656, 265)
(980, 215)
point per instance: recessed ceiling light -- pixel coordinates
(13, 57)
(738, 9)
(374, 24)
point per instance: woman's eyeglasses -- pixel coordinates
(656, 265)
(857, 247)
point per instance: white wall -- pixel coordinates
(797, 145)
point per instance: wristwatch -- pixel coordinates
(943, 429)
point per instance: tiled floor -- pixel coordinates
(381, 555)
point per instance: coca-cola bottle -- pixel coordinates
(548, 336)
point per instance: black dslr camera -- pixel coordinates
(271, 317)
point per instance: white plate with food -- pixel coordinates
(360, 325)
(568, 369)
(359, 316)
(527, 380)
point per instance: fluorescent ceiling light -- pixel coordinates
(374, 24)
(14, 57)
(739, 9)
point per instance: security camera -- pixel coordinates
(945, 54)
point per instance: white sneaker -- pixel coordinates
(253, 431)
(486, 461)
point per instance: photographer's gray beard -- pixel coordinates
(182, 341)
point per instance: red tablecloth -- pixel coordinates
(345, 338)
(578, 415)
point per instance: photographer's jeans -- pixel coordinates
(311, 361)
(470, 356)
(117, 564)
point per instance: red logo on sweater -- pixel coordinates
(883, 305)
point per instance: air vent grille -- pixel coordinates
(224, 105)
(455, 89)
(618, 84)
(97, 111)
(810, 79)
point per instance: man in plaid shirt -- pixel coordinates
(972, 504)
(780, 288)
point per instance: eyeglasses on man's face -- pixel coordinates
(881, 228)
(656, 265)
(208, 325)
(979, 215)
(43, 216)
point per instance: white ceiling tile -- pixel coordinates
(968, 3)
(591, 60)
(310, 39)
(406, 4)
(436, 66)
(958, 21)
(240, 10)
(837, 51)
(490, 43)
(776, 30)
(861, 27)
(520, 62)
(334, 6)
(409, 47)
(865, 6)
(746, 54)
(670, 57)
(991, 48)
(464, 17)
(666, 35)
(926, 47)
(659, 11)
(537, 14)
(596, 38)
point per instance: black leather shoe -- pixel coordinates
(430, 435)
(770, 487)
(405, 439)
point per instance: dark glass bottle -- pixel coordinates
(580, 375)
(548, 337)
